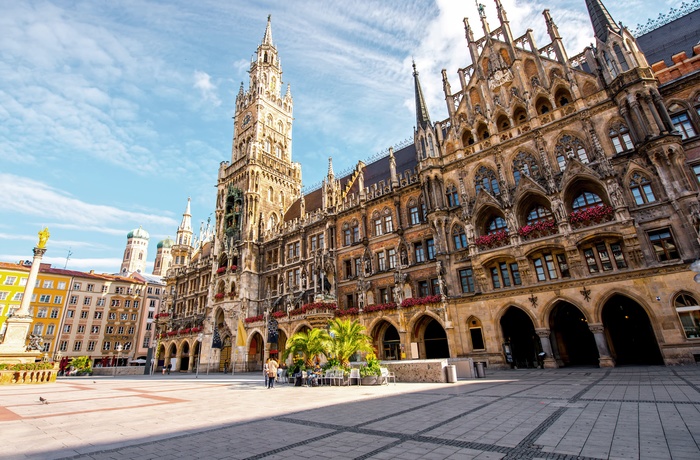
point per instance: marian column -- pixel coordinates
(14, 347)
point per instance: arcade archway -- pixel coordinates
(185, 357)
(572, 340)
(434, 337)
(519, 333)
(256, 352)
(388, 341)
(630, 333)
(225, 356)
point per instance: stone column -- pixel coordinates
(605, 360)
(549, 361)
(14, 347)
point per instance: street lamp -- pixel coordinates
(200, 337)
(119, 350)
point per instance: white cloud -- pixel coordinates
(207, 89)
(30, 197)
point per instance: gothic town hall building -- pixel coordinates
(554, 212)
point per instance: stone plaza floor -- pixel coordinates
(627, 412)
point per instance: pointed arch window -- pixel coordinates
(570, 147)
(640, 186)
(621, 57)
(586, 200)
(378, 228)
(452, 196)
(497, 224)
(525, 164)
(431, 146)
(539, 213)
(388, 221)
(459, 237)
(486, 180)
(620, 137)
(612, 67)
(267, 145)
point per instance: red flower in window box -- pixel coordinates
(413, 302)
(220, 270)
(234, 268)
(589, 216)
(279, 314)
(219, 295)
(347, 312)
(318, 306)
(492, 240)
(380, 307)
(537, 229)
(254, 319)
(296, 311)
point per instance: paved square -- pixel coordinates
(634, 412)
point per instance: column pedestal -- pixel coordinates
(13, 349)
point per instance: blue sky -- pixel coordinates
(112, 114)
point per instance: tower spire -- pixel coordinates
(422, 117)
(267, 38)
(186, 223)
(601, 19)
(331, 175)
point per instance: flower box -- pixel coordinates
(234, 268)
(162, 315)
(347, 312)
(538, 229)
(220, 270)
(380, 307)
(279, 314)
(254, 319)
(493, 240)
(296, 311)
(219, 295)
(591, 216)
(413, 302)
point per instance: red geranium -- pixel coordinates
(412, 302)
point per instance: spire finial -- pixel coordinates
(330, 168)
(267, 38)
(422, 117)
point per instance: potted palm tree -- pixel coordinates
(309, 345)
(347, 338)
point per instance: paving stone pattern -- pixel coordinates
(625, 413)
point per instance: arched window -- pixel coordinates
(620, 57)
(267, 145)
(525, 164)
(496, 225)
(542, 105)
(355, 232)
(459, 237)
(520, 115)
(620, 137)
(278, 151)
(388, 221)
(483, 132)
(467, 138)
(503, 123)
(688, 311)
(431, 146)
(612, 67)
(486, 179)
(378, 228)
(269, 121)
(272, 222)
(570, 147)
(640, 186)
(539, 213)
(452, 196)
(586, 200)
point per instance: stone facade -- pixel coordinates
(548, 221)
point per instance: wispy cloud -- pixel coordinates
(207, 89)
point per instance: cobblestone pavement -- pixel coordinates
(634, 412)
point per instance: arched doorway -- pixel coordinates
(196, 351)
(387, 341)
(185, 357)
(434, 338)
(256, 352)
(629, 332)
(161, 357)
(171, 358)
(281, 341)
(519, 332)
(572, 340)
(225, 356)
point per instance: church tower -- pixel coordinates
(261, 181)
(181, 250)
(164, 257)
(136, 252)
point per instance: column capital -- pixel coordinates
(596, 328)
(39, 252)
(543, 332)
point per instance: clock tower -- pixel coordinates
(261, 181)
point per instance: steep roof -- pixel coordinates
(672, 38)
(374, 172)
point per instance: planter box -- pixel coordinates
(370, 380)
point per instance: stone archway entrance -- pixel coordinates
(225, 355)
(185, 357)
(161, 357)
(256, 352)
(573, 341)
(434, 339)
(519, 332)
(630, 333)
(281, 342)
(387, 340)
(171, 358)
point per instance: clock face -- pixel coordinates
(246, 119)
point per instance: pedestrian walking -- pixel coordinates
(169, 367)
(271, 373)
(266, 367)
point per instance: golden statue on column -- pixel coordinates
(43, 238)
